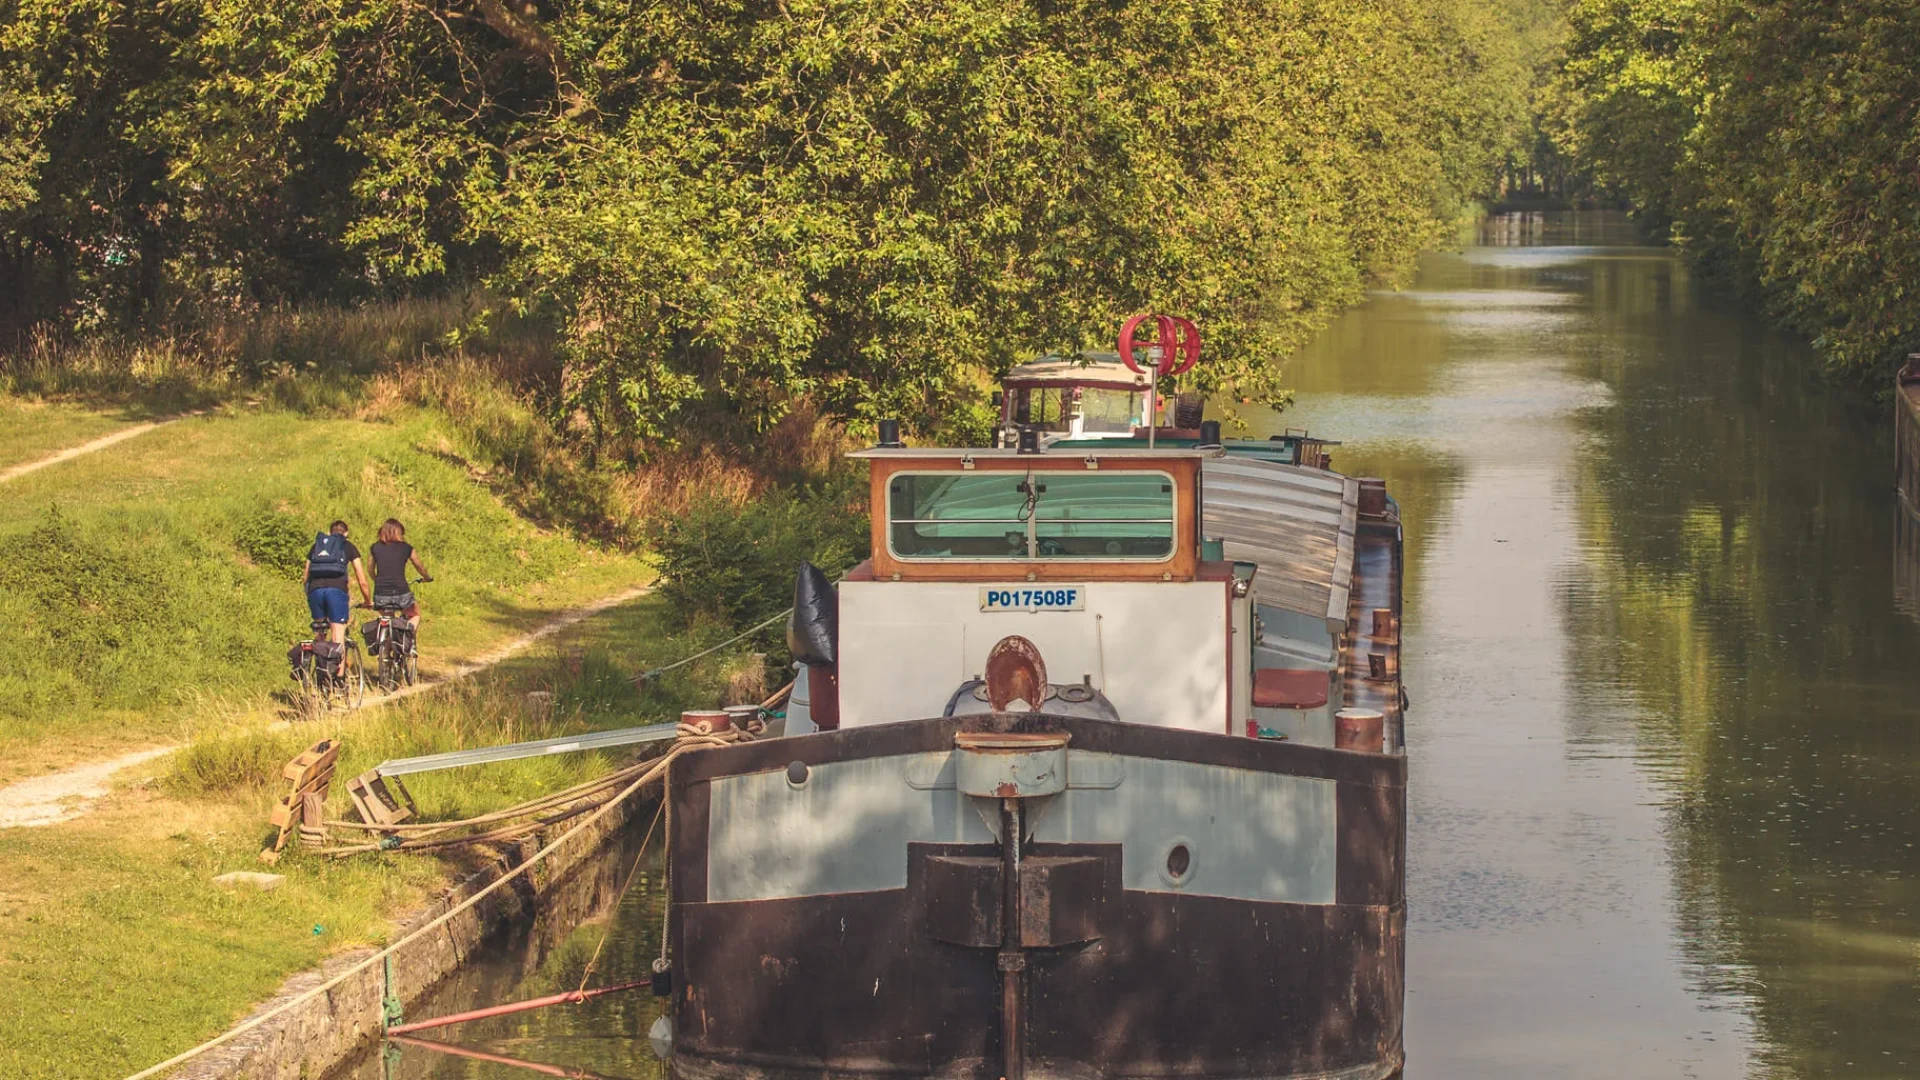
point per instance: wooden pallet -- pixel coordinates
(302, 810)
(380, 800)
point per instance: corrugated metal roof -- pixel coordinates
(1296, 523)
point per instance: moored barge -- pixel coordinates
(1094, 769)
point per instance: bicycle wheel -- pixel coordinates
(411, 666)
(353, 678)
(384, 675)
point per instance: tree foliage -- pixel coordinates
(727, 205)
(1781, 142)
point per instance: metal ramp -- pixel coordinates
(564, 744)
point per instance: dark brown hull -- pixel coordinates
(1119, 981)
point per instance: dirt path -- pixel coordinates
(65, 795)
(56, 797)
(101, 443)
(516, 646)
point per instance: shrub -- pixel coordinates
(102, 609)
(275, 541)
(737, 562)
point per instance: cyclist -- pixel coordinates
(330, 561)
(391, 554)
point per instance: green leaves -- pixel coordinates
(730, 206)
(1779, 139)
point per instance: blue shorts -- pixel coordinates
(328, 604)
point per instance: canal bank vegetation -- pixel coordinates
(721, 211)
(1775, 142)
(128, 950)
(582, 293)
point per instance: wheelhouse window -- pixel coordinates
(1079, 411)
(1031, 515)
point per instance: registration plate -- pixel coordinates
(1034, 598)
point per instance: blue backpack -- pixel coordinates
(328, 556)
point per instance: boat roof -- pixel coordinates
(1096, 369)
(1297, 523)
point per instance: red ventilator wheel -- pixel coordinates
(1177, 338)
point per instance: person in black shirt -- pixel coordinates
(330, 562)
(391, 554)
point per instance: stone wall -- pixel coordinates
(329, 1031)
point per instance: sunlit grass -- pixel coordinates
(135, 591)
(111, 924)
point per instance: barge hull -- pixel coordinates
(1203, 979)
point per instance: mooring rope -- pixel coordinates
(638, 858)
(425, 836)
(693, 736)
(747, 633)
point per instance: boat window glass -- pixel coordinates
(957, 515)
(1041, 515)
(1110, 412)
(1104, 515)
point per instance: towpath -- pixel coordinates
(69, 793)
(16, 471)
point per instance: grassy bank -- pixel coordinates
(119, 948)
(32, 429)
(152, 588)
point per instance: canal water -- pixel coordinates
(1665, 733)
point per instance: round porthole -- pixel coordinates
(1176, 866)
(796, 773)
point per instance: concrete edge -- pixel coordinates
(329, 1031)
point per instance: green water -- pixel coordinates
(1666, 726)
(1666, 723)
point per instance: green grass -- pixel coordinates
(116, 941)
(116, 950)
(148, 592)
(154, 584)
(31, 430)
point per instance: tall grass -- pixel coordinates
(308, 358)
(583, 684)
(456, 717)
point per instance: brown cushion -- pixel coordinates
(1289, 688)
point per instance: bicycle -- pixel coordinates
(390, 639)
(322, 689)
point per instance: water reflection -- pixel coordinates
(603, 1038)
(1665, 726)
(1906, 561)
(1666, 733)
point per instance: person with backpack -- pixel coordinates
(330, 561)
(391, 554)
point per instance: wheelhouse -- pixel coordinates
(1093, 396)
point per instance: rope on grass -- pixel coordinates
(424, 835)
(690, 737)
(749, 632)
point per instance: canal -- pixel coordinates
(1666, 705)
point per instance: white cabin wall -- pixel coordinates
(1157, 649)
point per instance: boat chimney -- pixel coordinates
(890, 435)
(1029, 440)
(1209, 434)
